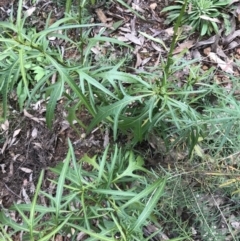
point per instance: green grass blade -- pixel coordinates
(39, 85)
(77, 168)
(91, 160)
(68, 6)
(24, 217)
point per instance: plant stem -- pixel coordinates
(68, 6)
(173, 43)
(80, 8)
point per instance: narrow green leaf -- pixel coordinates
(49, 196)
(64, 27)
(77, 168)
(110, 40)
(33, 204)
(17, 227)
(97, 236)
(19, 16)
(115, 192)
(55, 231)
(120, 228)
(72, 84)
(8, 26)
(113, 109)
(117, 154)
(150, 205)
(4, 236)
(116, 25)
(23, 71)
(40, 84)
(158, 40)
(101, 173)
(38, 208)
(144, 193)
(204, 29)
(24, 217)
(61, 181)
(95, 83)
(128, 7)
(179, 239)
(55, 95)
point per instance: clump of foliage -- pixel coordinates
(110, 200)
(35, 69)
(202, 15)
(118, 197)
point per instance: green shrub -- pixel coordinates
(202, 15)
(108, 199)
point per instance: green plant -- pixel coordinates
(154, 101)
(29, 63)
(4, 235)
(202, 15)
(110, 198)
(150, 103)
(194, 203)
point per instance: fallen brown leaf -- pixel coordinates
(206, 51)
(30, 11)
(153, 6)
(185, 45)
(16, 132)
(3, 167)
(27, 170)
(133, 38)
(231, 37)
(102, 17)
(5, 125)
(138, 60)
(210, 19)
(206, 42)
(225, 66)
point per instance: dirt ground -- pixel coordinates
(28, 146)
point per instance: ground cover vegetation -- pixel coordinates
(151, 148)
